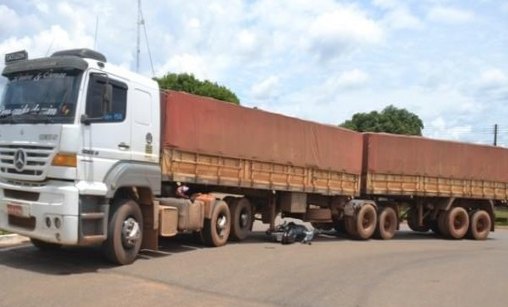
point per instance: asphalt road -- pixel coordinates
(410, 270)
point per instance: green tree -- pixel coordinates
(391, 120)
(189, 83)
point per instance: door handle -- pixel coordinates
(123, 146)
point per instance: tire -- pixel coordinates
(363, 225)
(433, 224)
(340, 226)
(349, 226)
(412, 222)
(125, 232)
(441, 224)
(242, 217)
(479, 225)
(457, 223)
(45, 246)
(216, 230)
(386, 224)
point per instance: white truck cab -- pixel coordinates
(74, 130)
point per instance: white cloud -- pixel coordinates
(42, 6)
(10, 20)
(493, 78)
(450, 15)
(401, 18)
(350, 79)
(186, 63)
(335, 32)
(440, 128)
(266, 88)
(246, 41)
(194, 23)
(492, 88)
(386, 4)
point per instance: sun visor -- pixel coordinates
(58, 63)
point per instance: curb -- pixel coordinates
(12, 239)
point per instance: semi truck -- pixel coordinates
(95, 155)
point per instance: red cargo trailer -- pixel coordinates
(448, 185)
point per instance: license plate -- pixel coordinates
(18, 210)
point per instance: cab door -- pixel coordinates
(144, 139)
(106, 126)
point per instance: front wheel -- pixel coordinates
(125, 232)
(216, 229)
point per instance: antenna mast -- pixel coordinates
(140, 23)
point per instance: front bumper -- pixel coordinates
(48, 212)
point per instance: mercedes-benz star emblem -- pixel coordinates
(19, 160)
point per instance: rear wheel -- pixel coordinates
(241, 215)
(340, 226)
(412, 222)
(349, 226)
(386, 224)
(457, 222)
(479, 225)
(433, 224)
(363, 225)
(441, 224)
(216, 229)
(45, 246)
(125, 232)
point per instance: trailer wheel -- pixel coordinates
(457, 222)
(125, 232)
(45, 246)
(349, 226)
(433, 224)
(441, 224)
(340, 226)
(362, 227)
(386, 224)
(241, 214)
(216, 229)
(412, 222)
(479, 225)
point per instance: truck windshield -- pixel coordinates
(40, 97)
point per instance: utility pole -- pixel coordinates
(495, 134)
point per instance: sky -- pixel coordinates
(321, 60)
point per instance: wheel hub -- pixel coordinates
(244, 219)
(221, 224)
(131, 232)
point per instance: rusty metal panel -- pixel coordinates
(406, 165)
(207, 169)
(409, 155)
(208, 126)
(386, 184)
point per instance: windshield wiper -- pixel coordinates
(35, 116)
(8, 118)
